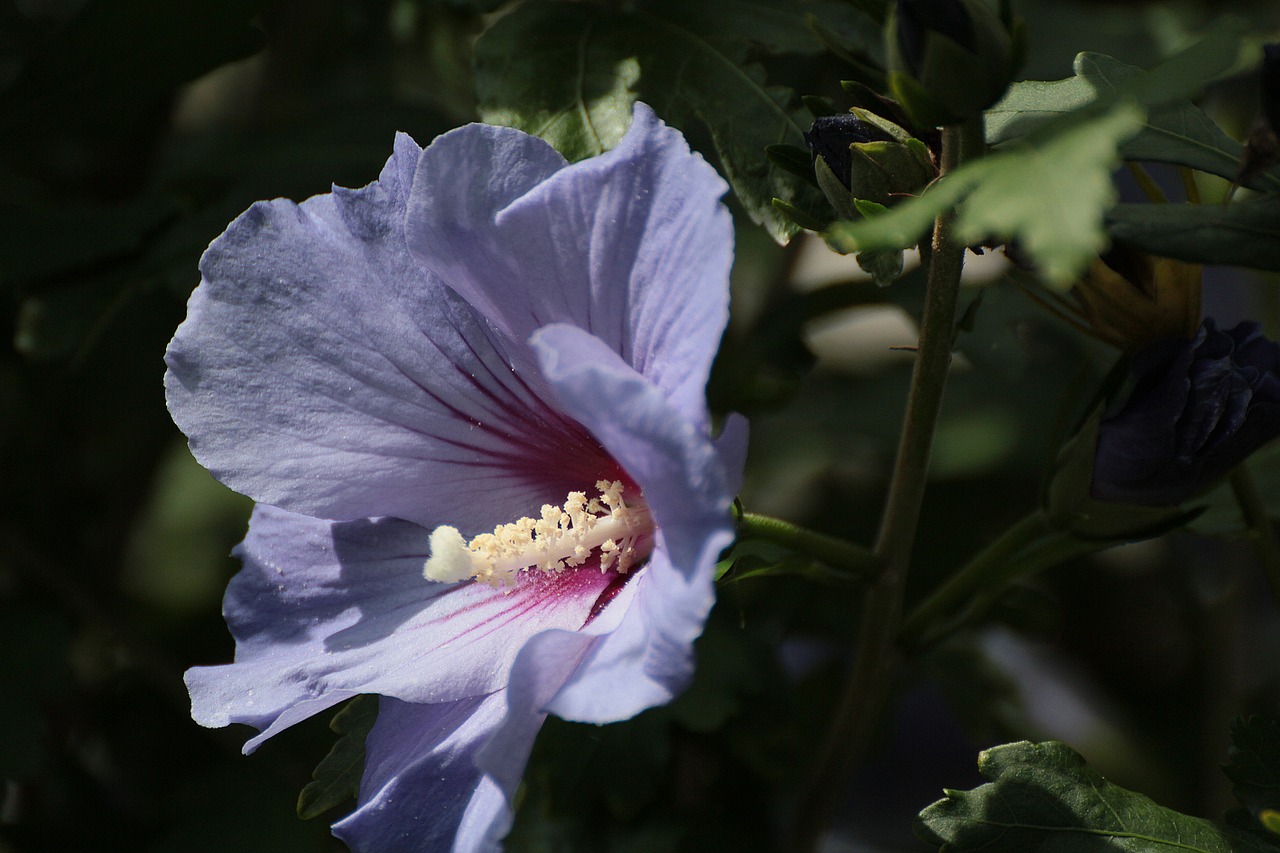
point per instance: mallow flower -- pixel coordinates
(1197, 408)
(469, 402)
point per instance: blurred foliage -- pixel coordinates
(132, 131)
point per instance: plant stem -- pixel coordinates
(1053, 549)
(835, 552)
(979, 574)
(1254, 510)
(867, 684)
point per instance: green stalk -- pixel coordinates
(981, 589)
(835, 552)
(979, 574)
(876, 656)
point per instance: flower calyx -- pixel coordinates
(560, 538)
(951, 59)
(859, 155)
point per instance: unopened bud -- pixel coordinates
(859, 155)
(830, 138)
(950, 59)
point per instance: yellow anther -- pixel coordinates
(560, 538)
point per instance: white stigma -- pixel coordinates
(563, 537)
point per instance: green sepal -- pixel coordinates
(836, 192)
(819, 106)
(881, 171)
(805, 220)
(1071, 507)
(336, 778)
(863, 96)
(899, 133)
(868, 208)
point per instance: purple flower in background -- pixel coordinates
(1197, 409)
(469, 400)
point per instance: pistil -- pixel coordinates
(560, 538)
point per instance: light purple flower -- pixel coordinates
(484, 330)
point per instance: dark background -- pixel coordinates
(132, 131)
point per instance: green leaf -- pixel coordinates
(784, 27)
(1049, 193)
(1044, 797)
(1031, 103)
(1244, 233)
(1176, 131)
(1254, 763)
(1052, 197)
(570, 72)
(337, 777)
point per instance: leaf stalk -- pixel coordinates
(835, 552)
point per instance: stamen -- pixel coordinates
(561, 538)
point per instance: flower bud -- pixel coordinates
(950, 59)
(831, 136)
(1186, 413)
(859, 155)
(1131, 299)
(1195, 409)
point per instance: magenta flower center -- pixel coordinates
(612, 528)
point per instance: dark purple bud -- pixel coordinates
(831, 136)
(1197, 409)
(1271, 85)
(917, 17)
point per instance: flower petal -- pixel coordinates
(322, 611)
(441, 777)
(323, 370)
(647, 658)
(633, 246)
(421, 791)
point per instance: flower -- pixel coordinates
(1197, 408)
(485, 339)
